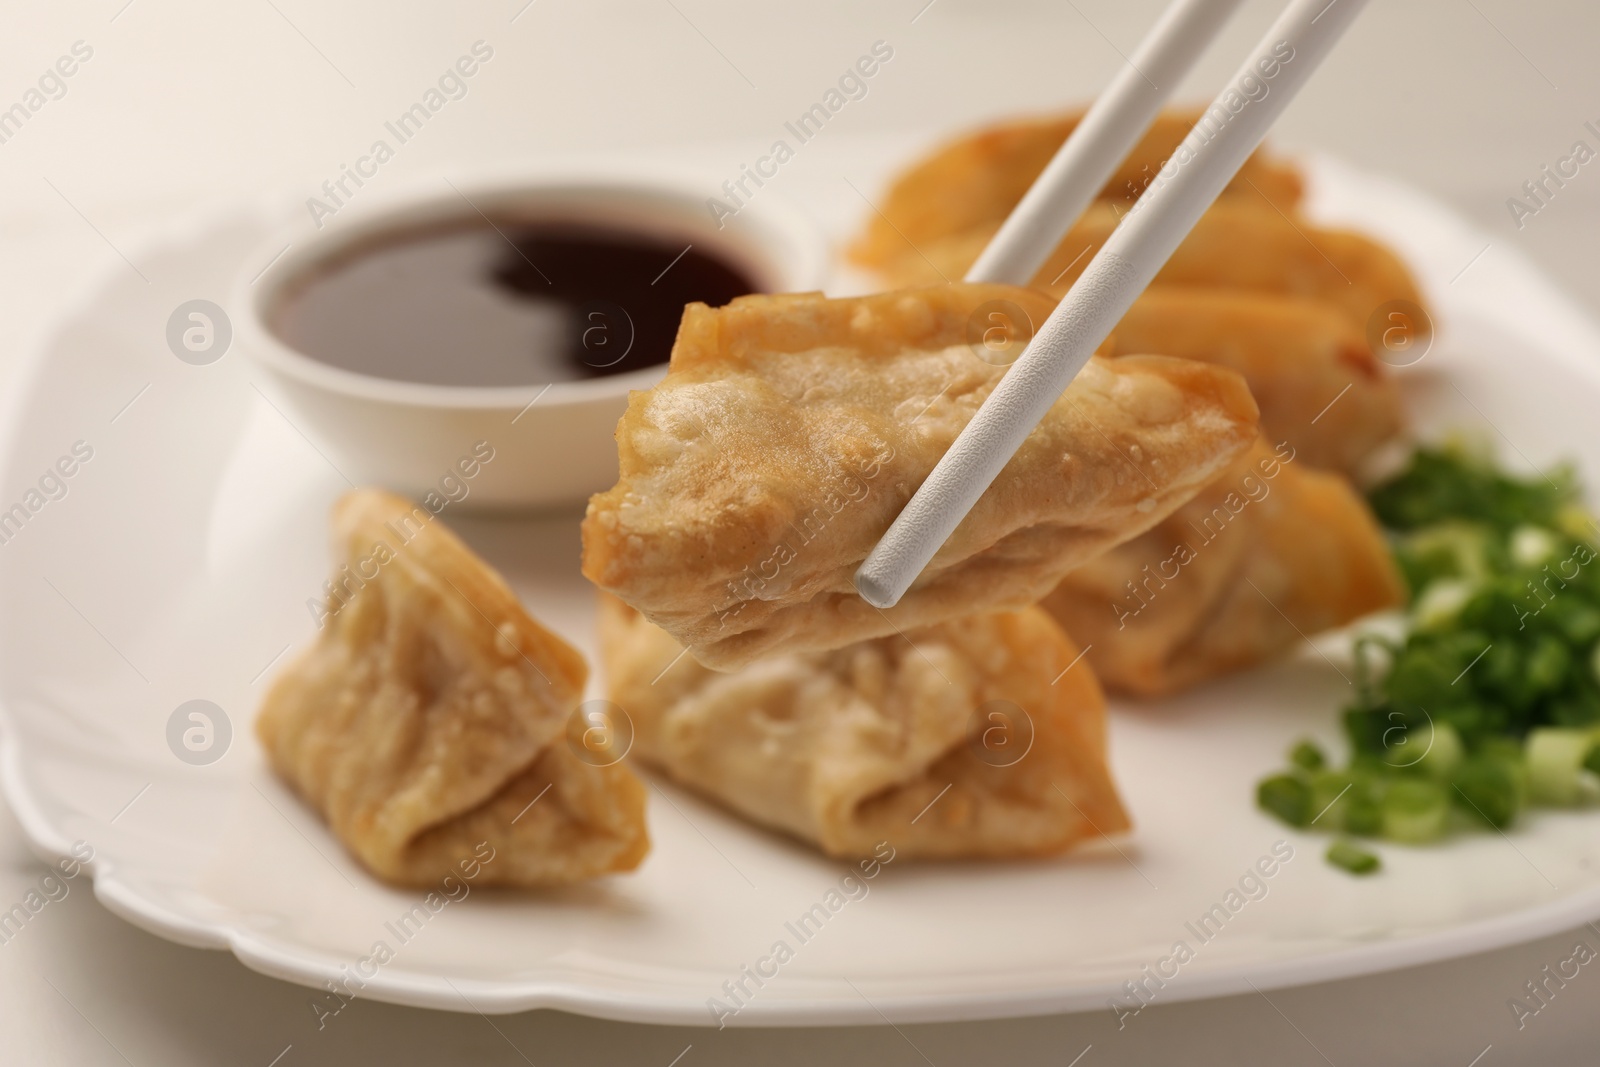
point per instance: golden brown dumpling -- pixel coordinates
(976, 180)
(1318, 384)
(790, 430)
(1270, 553)
(427, 722)
(1237, 244)
(971, 738)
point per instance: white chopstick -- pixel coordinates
(1108, 132)
(1198, 171)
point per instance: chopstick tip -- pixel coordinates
(874, 590)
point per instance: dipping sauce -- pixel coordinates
(507, 303)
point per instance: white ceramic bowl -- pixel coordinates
(407, 436)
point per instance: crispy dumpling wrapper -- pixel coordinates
(429, 717)
(968, 739)
(1237, 244)
(976, 180)
(790, 430)
(1318, 384)
(1271, 553)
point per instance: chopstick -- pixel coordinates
(1103, 138)
(1187, 183)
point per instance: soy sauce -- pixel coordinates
(507, 303)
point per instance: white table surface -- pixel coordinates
(188, 103)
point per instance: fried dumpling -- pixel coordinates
(976, 180)
(1268, 555)
(1310, 369)
(1237, 244)
(790, 430)
(427, 722)
(980, 737)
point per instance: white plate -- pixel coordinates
(179, 564)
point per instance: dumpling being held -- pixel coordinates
(427, 722)
(790, 430)
(983, 737)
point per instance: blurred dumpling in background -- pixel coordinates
(1235, 245)
(975, 180)
(1318, 384)
(941, 212)
(1270, 553)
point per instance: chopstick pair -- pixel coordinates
(1197, 172)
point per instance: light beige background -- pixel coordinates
(187, 103)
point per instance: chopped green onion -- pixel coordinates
(1491, 788)
(1329, 790)
(1287, 797)
(1533, 546)
(1364, 816)
(1490, 698)
(1591, 762)
(1548, 663)
(1352, 857)
(1415, 810)
(1577, 523)
(1307, 756)
(1446, 550)
(1448, 483)
(1441, 602)
(1557, 766)
(1578, 621)
(1444, 752)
